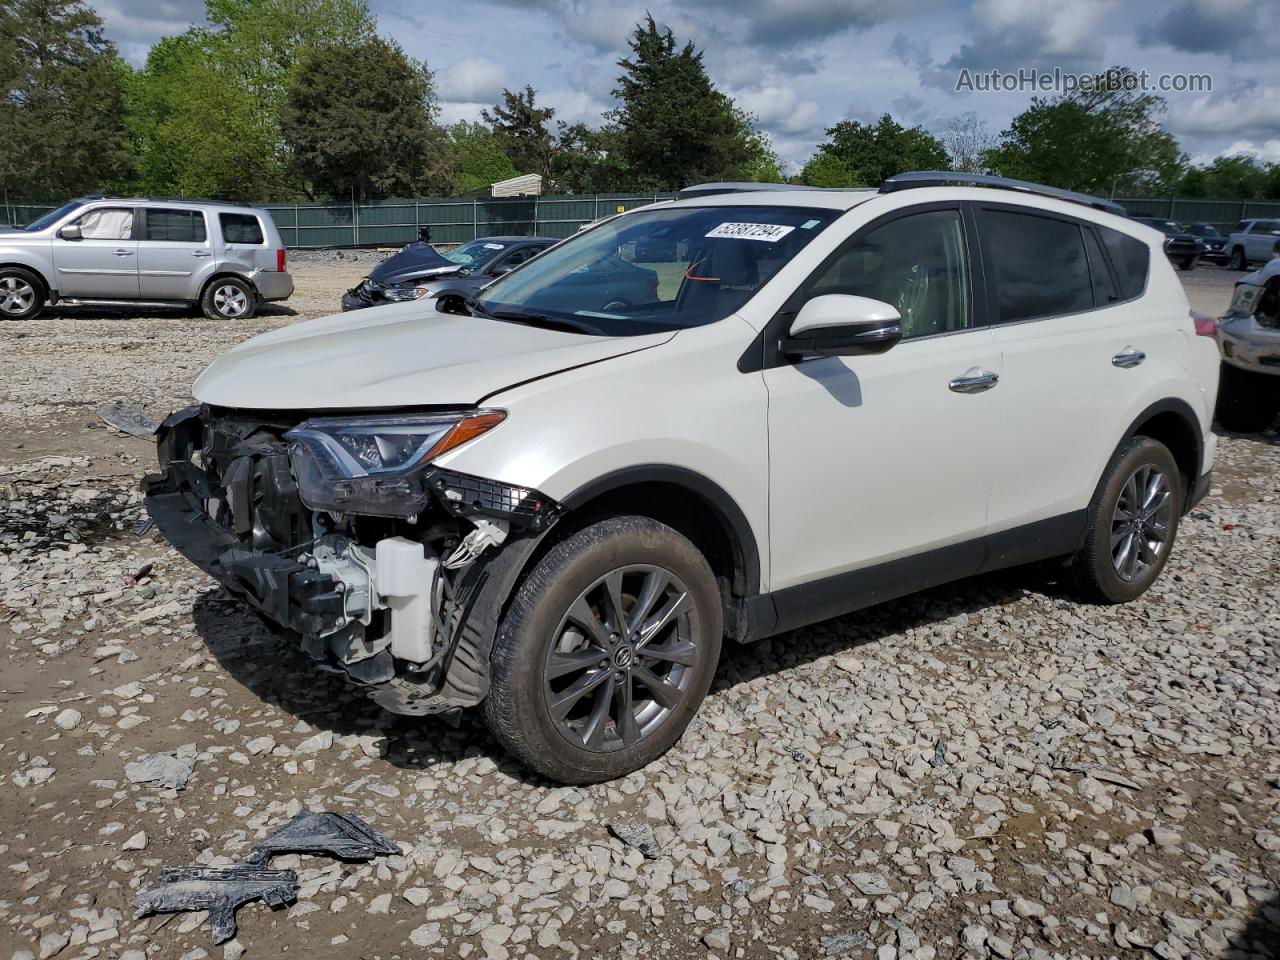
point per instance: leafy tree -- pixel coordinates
(761, 164)
(674, 127)
(1231, 178)
(863, 154)
(478, 157)
(360, 119)
(61, 102)
(1103, 139)
(587, 160)
(521, 127)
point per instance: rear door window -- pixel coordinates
(175, 226)
(1038, 263)
(1131, 259)
(240, 228)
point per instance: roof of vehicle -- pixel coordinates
(194, 201)
(781, 195)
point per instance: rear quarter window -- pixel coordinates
(240, 228)
(1131, 259)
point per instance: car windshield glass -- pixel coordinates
(53, 216)
(661, 269)
(475, 252)
(1204, 230)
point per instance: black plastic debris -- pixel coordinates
(337, 834)
(223, 890)
(220, 890)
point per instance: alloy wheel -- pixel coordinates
(1141, 522)
(230, 301)
(622, 658)
(16, 296)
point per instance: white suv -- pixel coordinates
(556, 501)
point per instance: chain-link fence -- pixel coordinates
(451, 220)
(456, 220)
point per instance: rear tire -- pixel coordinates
(21, 294)
(608, 649)
(1133, 521)
(229, 298)
(1188, 264)
(1238, 261)
(1247, 402)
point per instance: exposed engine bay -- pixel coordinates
(390, 574)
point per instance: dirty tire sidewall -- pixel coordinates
(21, 280)
(515, 708)
(1096, 576)
(209, 306)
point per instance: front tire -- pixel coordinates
(1188, 263)
(1247, 402)
(606, 653)
(1238, 261)
(229, 298)
(1133, 521)
(21, 294)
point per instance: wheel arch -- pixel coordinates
(1172, 422)
(226, 275)
(35, 271)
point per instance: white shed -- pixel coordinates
(530, 185)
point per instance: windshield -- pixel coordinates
(474, 253)
(1204, 230)
(53, 216)
(661, 269)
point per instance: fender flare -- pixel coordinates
(1184, 412)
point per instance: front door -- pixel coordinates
(103, 263)
(875, 458)
(173, 250)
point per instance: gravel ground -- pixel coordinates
(989, 769)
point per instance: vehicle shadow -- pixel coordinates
(1261, 936)
(126, 312)
(276, 671)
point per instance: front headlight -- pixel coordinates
(371, 464)
(1245, 300)
(399, 294)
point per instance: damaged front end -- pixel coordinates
(342, 532)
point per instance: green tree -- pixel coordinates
(587, 160)
(62, 102)
(1229, 178)
(521, 128)
(478, 158)
(359, 120)
(761, 164)
(674, 127)
(864, 154)
(1106, 138)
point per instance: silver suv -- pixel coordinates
(103, 251)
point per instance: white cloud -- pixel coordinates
(474, 80)
(1250, 112)
(779, 108)
(134, 25)
(1266, 152)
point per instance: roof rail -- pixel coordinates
(944, 178)
(712, 189)
(126, 196)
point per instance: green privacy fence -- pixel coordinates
(458, 219)
(451, 220)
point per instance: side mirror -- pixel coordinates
(839, 325)
(71, 232)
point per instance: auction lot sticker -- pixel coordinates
(768, 232)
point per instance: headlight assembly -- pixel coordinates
(371, 465)
(400, 294)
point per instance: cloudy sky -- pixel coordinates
(801, 65)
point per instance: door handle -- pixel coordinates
(1128, 358)
(124, 253)
(975, 384)
(201, 253)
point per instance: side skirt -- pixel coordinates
(799, 606)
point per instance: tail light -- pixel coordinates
(1205, 326)
(280, 258)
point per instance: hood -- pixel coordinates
(1259, 277)
(413, 260)
(403, 355)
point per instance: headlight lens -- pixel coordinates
(405, 293)
(1245, 299)
(370, 464)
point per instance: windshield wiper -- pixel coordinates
(547, 323)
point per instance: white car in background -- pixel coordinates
(1254, 241)
(557, 505)
(1249, 339)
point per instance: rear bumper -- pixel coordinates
(273, 285)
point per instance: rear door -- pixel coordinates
(173, 253)
(243, 246)
(103, 263)
(1075, 349)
